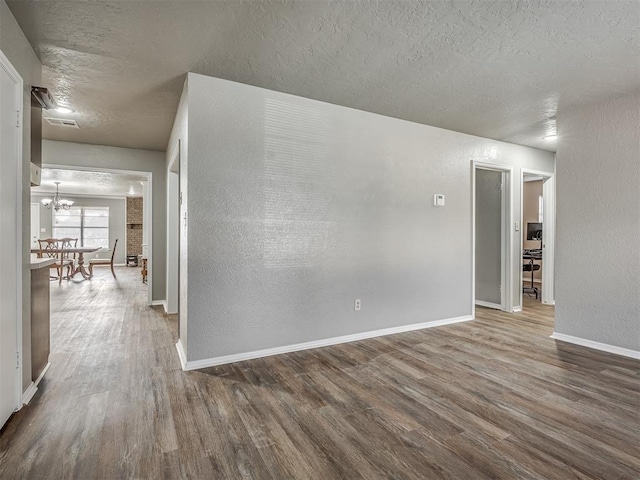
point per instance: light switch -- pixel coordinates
(438, 200)
(517, 226)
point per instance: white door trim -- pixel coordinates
(173, 227)
(507, 233)
(148, 199)
(16, 250)
(548, 231)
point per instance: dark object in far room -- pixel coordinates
(534, 231)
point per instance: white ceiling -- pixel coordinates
(496, 69)
(79, 182)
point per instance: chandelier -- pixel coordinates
(57, 203)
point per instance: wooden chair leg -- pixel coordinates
(113, 272)
(90, 270)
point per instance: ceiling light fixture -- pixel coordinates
(549, 138)
(57, 203)
(61, 109)
(45, 100)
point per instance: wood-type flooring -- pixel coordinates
(492, 398)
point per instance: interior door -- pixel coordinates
(10, 143)
(489, 238)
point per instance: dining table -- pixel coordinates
(79, 268)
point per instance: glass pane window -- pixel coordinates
(90, 225)
(68, 218)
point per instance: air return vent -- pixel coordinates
(62, 122)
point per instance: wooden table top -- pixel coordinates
(71, 250)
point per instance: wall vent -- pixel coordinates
(62, 122)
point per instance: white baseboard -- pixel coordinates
(605, 347)
(516, 309)
(33, 386)
(160, 303)
(481, 303)
(29, 393)
(239, 357)
(182, 355)
(44, 370)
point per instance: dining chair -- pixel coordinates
(53, 248)
(69, 243)
(104, 261)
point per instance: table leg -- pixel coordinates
(81, 270)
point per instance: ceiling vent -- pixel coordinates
(62, 122)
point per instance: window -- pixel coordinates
(90, 225)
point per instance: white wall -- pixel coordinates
(17, 49)
(598, 223)
(117, 222)
(98, 156)
(298, 207)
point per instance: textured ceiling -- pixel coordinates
(79, 182)
(495, 69)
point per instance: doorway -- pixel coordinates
(491, 199)
(173, 233)
(537, 236)
(109, 189)
(10, 239)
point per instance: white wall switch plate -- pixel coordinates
(517, 226)
(438, 200)
(357, 304)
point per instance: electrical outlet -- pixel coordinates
(356, 304)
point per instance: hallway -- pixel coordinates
(493, 398)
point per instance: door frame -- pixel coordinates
(548, 232)
(148, 201)
(16, 249)
(506, 293)
(173, 227)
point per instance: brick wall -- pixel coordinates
(134, 226)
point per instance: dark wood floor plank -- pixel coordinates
(492, 398)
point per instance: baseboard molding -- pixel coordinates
(496, 306)
(29, 393)
(182, 355)
(44, 370)
(239, 357)
(605, 347)
(33, 386)
(516, 309)
(160, 303)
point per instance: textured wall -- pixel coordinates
(598, 223)
(298, 207)
(17, 49)
(98, 156)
